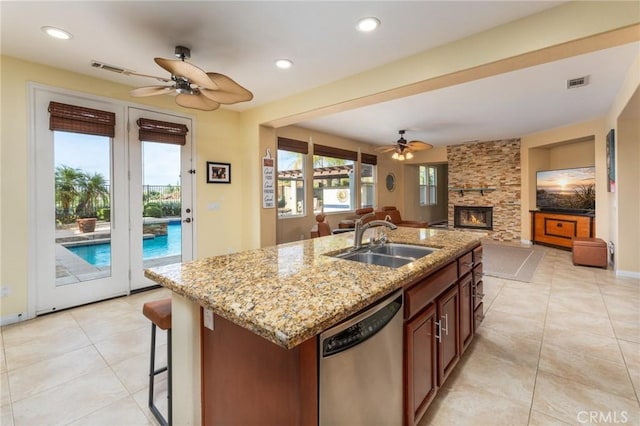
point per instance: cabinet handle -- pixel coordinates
(439, 331)
(468, 264)
(477, 295)
(446, 324)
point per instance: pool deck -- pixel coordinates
(71, 268)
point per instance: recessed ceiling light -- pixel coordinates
(368, 24)
(284, 63)
(57, 33)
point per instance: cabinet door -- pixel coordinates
(420, 364)
(466, 311)
(448, 308)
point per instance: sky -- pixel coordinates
(92, 154)
(565, 180)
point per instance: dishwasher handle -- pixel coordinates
(361, 330)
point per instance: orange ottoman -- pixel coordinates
(590, 252)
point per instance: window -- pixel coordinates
(428, 185)
(368, 180)
(292, 156)
(334, 184)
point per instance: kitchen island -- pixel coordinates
(280, 298)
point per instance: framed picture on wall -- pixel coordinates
(218, 172)
(611, 161)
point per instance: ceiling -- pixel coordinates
(242, 39)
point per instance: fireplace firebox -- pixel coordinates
(473, 217)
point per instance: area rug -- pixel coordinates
(510, 262)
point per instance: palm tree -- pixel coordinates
(67, 183)
(93, 188)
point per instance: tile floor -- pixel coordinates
(563, 349)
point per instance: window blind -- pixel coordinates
(162, 131)
(369, 159)
(76, 119)
(328, 151)
(293, 145)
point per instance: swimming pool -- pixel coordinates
(160, 246)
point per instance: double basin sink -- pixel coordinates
(393, 255)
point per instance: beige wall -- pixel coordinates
(217, 138)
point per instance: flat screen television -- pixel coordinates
(571, 190)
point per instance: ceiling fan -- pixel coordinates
(404, 150)
(195, 88)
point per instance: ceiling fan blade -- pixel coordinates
(387, 148)
(229, 92)
(419, 145)
(196, 102)
(189, 71)
(151, 91)
(166, 80)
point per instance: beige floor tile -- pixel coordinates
(3, 363)
(519, 325)
(607, 376)
(485, 372)
(521, 305)
(570, 401)
(122, 412)
(582, 322)
(6, 415)
(631, 355)
(511, 349)
(5, 396)
(625, 330)
(104, 325)
(38, 328)
(540, 419)
(71, 401)
(622, 308)
(57, 342)
(587, 303)
(134, 372)
(128, 344)
(580, 342)
(35, 378)
(468, 406)
(573, 274)
(160, 399)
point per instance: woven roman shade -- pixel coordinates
(369, 159)
(162, 131)
(293, 145)
(327, 151)
(76, 119)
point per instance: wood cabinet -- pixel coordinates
(439, 321)
(421, 375)
(558, 229)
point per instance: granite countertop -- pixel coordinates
(292, 292)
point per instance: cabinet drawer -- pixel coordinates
(477, 255)
(465, 263)
(560, 228)
(425, 291)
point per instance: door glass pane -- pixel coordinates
(82, 207)
(162, 204)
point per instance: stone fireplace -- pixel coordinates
(473, 217)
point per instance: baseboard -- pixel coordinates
(13, 318)
(526, 242)
(628, 274)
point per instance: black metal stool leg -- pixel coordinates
(169, 380)
(153, 372)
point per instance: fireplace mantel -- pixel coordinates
(461, 191)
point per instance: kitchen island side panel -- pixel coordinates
(249, 380)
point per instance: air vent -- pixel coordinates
(577, 82)
(112, 68)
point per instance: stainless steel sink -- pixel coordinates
(392, 255)
(403, 250)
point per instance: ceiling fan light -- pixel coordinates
(57, 33)
(409, 156)
(395, 156)
(401, 157)
(368, 24)
(284, 64)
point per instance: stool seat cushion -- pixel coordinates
(159, 312)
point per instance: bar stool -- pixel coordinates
(159, 312)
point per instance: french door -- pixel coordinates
(87, 205)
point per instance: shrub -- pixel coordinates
(152, 210)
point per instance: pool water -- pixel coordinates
(160, 246)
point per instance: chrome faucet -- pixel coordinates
(360, 228)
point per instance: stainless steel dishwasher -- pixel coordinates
(361, 368)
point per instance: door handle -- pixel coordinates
(187, 220)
